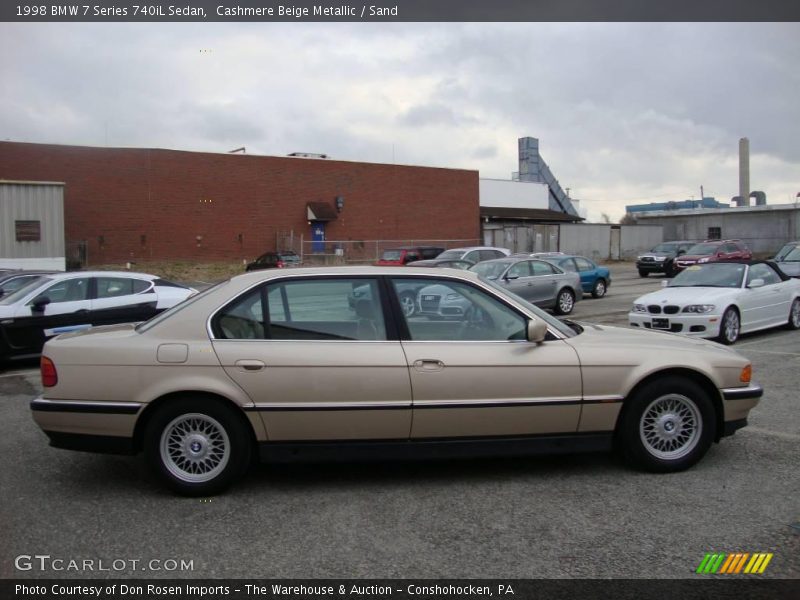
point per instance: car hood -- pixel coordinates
(687, 295)
(694, 256)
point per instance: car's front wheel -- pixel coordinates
(197, 446)
(599, 289)
(668, 425)
(408, 303)
(643, 273)
(794, 315)
(729, 327)
(565, 302)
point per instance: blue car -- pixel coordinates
(594, 278)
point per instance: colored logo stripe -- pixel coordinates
(731, 564)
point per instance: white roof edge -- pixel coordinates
(22, 182)
(683, 212)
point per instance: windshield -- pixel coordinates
(560, 326)
(665, 248)
(728, 275)
(702, 249)
(451, 254)
(145, 325)
(391, 254)
(23, 291)
(491, 269)
(789, 253)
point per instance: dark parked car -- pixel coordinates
(713, 251)
(397, 257)
(788, 259)
(661, 258)
(275, 260)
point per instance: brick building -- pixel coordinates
(150, 204)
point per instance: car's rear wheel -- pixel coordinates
(668, 425)
(197, 447)
(729, 327)
(794, 315)
(599, 289)
(565, 302)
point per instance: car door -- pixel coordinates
(479, 376)
(767, 304)
(62, 306)
(519, 279)
(318, 362)
(119, 299)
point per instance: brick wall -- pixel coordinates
(147, 204)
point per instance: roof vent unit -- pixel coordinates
(739, 201)
(761, 198)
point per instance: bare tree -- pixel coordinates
(628, 219)
(605, 217)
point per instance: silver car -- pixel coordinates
(537, 281)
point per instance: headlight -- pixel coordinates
(703, 260)
(451, 297)
(660, 258)
(698, 308)
(639, 308)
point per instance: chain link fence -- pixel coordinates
(344, 252)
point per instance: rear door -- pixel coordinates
(478, 375)
(318, 361)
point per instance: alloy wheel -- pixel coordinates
(670, 427)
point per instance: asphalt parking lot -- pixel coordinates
(569, 516)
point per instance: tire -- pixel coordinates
(565, 302)
(729, 327)
(794, 315)
(196, 446)
(667, 425)
(599, 289)
(643, 273)
(408, 304)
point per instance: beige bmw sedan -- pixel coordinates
(317, 364)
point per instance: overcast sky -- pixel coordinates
(625, 113)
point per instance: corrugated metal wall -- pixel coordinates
(24, 201)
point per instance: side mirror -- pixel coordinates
(509, 277)
(536, 331)
(39, 304)
(756, 283)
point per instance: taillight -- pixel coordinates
(280, 264)
(49, 374)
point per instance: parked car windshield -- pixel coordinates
(556, 324)
(391, 254)
(710, 275)
(23, 291)
(492, 269)
(789, 253)
(702, 249)
(666, 247)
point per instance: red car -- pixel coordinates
(714, 251)
(397, 257)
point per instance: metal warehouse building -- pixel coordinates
(32, 225)
(764, 228)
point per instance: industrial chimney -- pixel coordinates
(744, 171)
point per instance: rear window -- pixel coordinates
(451, 254)
(392, 255)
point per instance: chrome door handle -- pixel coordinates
(428, 365)
(250, 365)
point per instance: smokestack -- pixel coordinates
(744, 170)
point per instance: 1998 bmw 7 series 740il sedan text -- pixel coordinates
(287, 366)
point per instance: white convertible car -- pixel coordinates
(721, 301)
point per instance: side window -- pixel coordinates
(242, 319)
(542, 268)
(762, 271)
(110, 287)
(583, 264)
(473, 256)
(490, 254)
(455, 311)
(568, 265)
(69, 290)
(520, 269)
(325, 309)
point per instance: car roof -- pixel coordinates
(56, 276)
(253, 277)
(468, 248)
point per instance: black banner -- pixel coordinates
(33, 11)
(733, 587)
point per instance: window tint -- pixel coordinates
(110, 287)
(542, 268)
(325, 309)
(568, 265)
(69, 290)
(490, 254)
(454, 311)
(762, 271)
(583, 264)
(243, 319)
